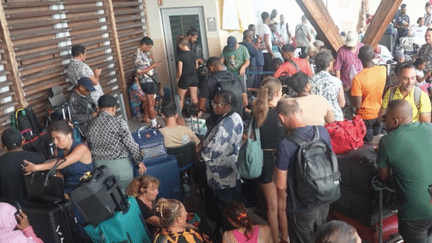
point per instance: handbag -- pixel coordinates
(45, 186)
(251, 155)
(346, 135)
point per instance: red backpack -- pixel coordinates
(346, 135)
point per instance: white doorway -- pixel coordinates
(175, 22)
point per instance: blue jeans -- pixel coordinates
(416, 231)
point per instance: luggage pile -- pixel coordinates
(159, 164)
(112, 216)
(359, 170)
(52, 217)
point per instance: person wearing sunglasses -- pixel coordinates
(220, 151)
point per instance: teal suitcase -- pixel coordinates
(124, 227)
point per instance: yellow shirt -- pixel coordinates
(424, 107)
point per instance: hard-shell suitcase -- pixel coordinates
(125, 226)
(52, 222)
(99, 196)
(150, 141)
(165, 168)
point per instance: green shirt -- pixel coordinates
(407, 150)
(235, 59)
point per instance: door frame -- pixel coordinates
(169, 47)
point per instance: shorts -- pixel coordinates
(188, 81)
(149, 88)
(268, 168)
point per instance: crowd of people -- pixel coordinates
(282, 82)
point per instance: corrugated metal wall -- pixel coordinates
(39, 35)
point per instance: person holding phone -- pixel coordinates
(15, 226)
(145, 67)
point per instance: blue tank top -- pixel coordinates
(73, 172)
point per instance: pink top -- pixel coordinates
(347, 63)
(240, 237)
(425, 87)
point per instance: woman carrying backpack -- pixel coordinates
(265, 117)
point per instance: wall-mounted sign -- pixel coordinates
(211, 24)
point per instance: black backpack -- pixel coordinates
(317, 177)
(229, 81)
(25, 120)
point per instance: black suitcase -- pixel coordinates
(54, 223)
(100, 196)
(357, 169)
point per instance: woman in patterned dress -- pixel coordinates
(173, 215)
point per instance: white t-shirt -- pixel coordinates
(419, 31)
(420, 73)
(282, 30)
(302, 31)
(262, 30)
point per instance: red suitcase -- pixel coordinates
(370, 234)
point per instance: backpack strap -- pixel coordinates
(317, 134)
(392, 92)
(417, 95)
(292, 192)
(294, 64)
(296, 140)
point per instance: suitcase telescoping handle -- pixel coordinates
(122, 205)
(378, 186)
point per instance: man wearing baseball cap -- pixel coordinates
(12, 185)
(347, 64)
(82, 106)
(236, 57)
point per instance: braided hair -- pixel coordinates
(236, 212)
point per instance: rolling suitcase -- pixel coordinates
(165, 168)
(99, 196)
(358, 168)
(54, 223)
(370, 233)
(125, 226)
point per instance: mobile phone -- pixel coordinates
(18, 207)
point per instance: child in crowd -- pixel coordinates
(244, 231)
(137, 98)
(276, 63)
(337, 232)
(420, 66)
(187, 76)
